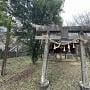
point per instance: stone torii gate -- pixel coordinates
(44, 84)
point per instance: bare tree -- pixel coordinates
(82, 20)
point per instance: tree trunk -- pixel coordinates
(3, 71)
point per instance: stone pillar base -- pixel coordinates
(84, 87)
(44, 86)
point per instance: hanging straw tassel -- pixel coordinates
(55, 47)
(64, 49)
(68, 47)
(73, 45)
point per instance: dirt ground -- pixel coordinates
(62, 75)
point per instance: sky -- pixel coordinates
(74, 7)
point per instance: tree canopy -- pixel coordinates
(42, 12)
(38, 11)
(46, 11)
(4, 19)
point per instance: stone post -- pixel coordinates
(84, 84)
(44, 84)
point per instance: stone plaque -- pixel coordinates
(69, 56)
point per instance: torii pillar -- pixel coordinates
(84, 84)
(44, 83)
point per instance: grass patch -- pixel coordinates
(62, 75)
(16, 65)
